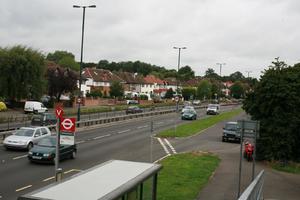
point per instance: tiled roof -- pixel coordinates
(130, 77)
(150, 79)
(100, 75)
(193, 82)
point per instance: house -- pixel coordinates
(132, 83)
(150, 84)
(98, 79)
(226, 89)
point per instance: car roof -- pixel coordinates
(33, 127)
(231, 123)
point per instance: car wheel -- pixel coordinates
(73, 155)
(29, 146)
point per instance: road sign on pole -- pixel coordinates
(67, 125)
(59, 112)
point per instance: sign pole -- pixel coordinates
(254, 152)
(57, 149)
(241, 154)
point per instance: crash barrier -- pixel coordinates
(255, 190)
(105, 120)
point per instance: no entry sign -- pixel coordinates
(67, 125)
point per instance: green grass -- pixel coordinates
(195, 127)
(293, 168)
(184, 175)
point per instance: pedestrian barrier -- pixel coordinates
(255, 190)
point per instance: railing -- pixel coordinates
(255, 190)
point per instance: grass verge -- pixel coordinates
(291, 167)
(195, 127)
(184, 175)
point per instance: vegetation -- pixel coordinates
(188, 93)
(195, 127)
(64, 59)
(186, 174)
(237, 90)
(275, 103)
(287, 167)
(204, 89)
(116, 89)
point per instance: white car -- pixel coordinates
(26, 137)
(213, 109)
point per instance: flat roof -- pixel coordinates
(106, 181)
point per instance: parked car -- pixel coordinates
(43, 119)
(230, 132)
(196, 102)
(133, 110)
(189, 114)
(44, 151)
(26, 137)
(213, 109)
(187, 108)
(34, 107)
(132, 102)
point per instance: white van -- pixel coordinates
(34, 107)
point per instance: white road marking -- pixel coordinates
(159, 122)
(16, 158)
(142, 127)
(23, 188)
(171, 147)
(102, 136)
(80, 142)
(124, 131)
(164, 147)
(72, 170)
(48, 179)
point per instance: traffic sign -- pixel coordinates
(59, 112)
(176, 98)
(67, 125)
(79, 100)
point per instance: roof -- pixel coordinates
(100, 75)
(106, 181)
(130, 77)
(152, 79)
(193, 82)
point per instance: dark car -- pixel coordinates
(43, 119)
(133, 110)
(230, 132)
(189, 114)
(44, 151)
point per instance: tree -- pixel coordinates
(236, 76)
(68, 62)
(204, 89)
(116, 89)
(169, 93)
(275, 103)
(64, 59)
(188, 93)
(185, 73)
(237, 90)
(210, 73)
(60, 81)
(21, 73)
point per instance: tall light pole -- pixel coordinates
(81, 55)
(179, 50)
(248, 72)
(221, 64)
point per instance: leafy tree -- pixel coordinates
(237, 90)
(274, 102)
(68, 62)
(116, 89)
(60, 81)
(188, 92)
(185, 73)
(210, 73)
(94, 93)
(21, 73)
(169, 93)
(64, 59)
(204, 89)
(236, 76)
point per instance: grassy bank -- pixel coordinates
(290, 167)
(184, 175)
(195, 127)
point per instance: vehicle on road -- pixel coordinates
(43, 119)
(132, 102)
(189, 115)
(230, 132)
(26, 137)
(213, 109)
(187, 108)
(248, 151)
(196, 102)
(44, 151)
(133, 110)
(34, 107)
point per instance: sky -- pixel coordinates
(245, 35)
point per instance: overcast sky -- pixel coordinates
(245, 34)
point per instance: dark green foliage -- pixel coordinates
(64, 59)
(237, 90)
(169, 93)
(94, 93)
(143, 97)
(116, 89)
(188, 92)
(210, 73)
(204, 89)
(275, 103)
(186, 73)
(21, 73)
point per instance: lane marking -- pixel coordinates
(72, 170)
(124, 131)
(164, 147)
(18, 157)
(80, 142)
(23, 188)
(159, 122)
(171, 147)
(48, 179)
(102, 136)
(142, 127)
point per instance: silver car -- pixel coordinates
(26, 137)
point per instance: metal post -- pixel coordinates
(151, 139)
(57, 150)
(154, 187)
(254, 152)
(241, 154)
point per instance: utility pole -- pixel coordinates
(248, 72)
(221, 64)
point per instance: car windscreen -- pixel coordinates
(47, 142)
(25, 132)
(231, 127)
(188, 112)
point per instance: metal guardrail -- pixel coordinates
(255, 190)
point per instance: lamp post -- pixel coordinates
(248, 72)
(81, 55)
(221, 64)
(179, 50)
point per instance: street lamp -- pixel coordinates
(179, 50)
(221, 64)
(81, 55)
(248, 72)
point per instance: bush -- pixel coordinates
(143, 97)
(2, 106)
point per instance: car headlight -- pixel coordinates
(30, 153)
(22, 142)
(46, 154)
